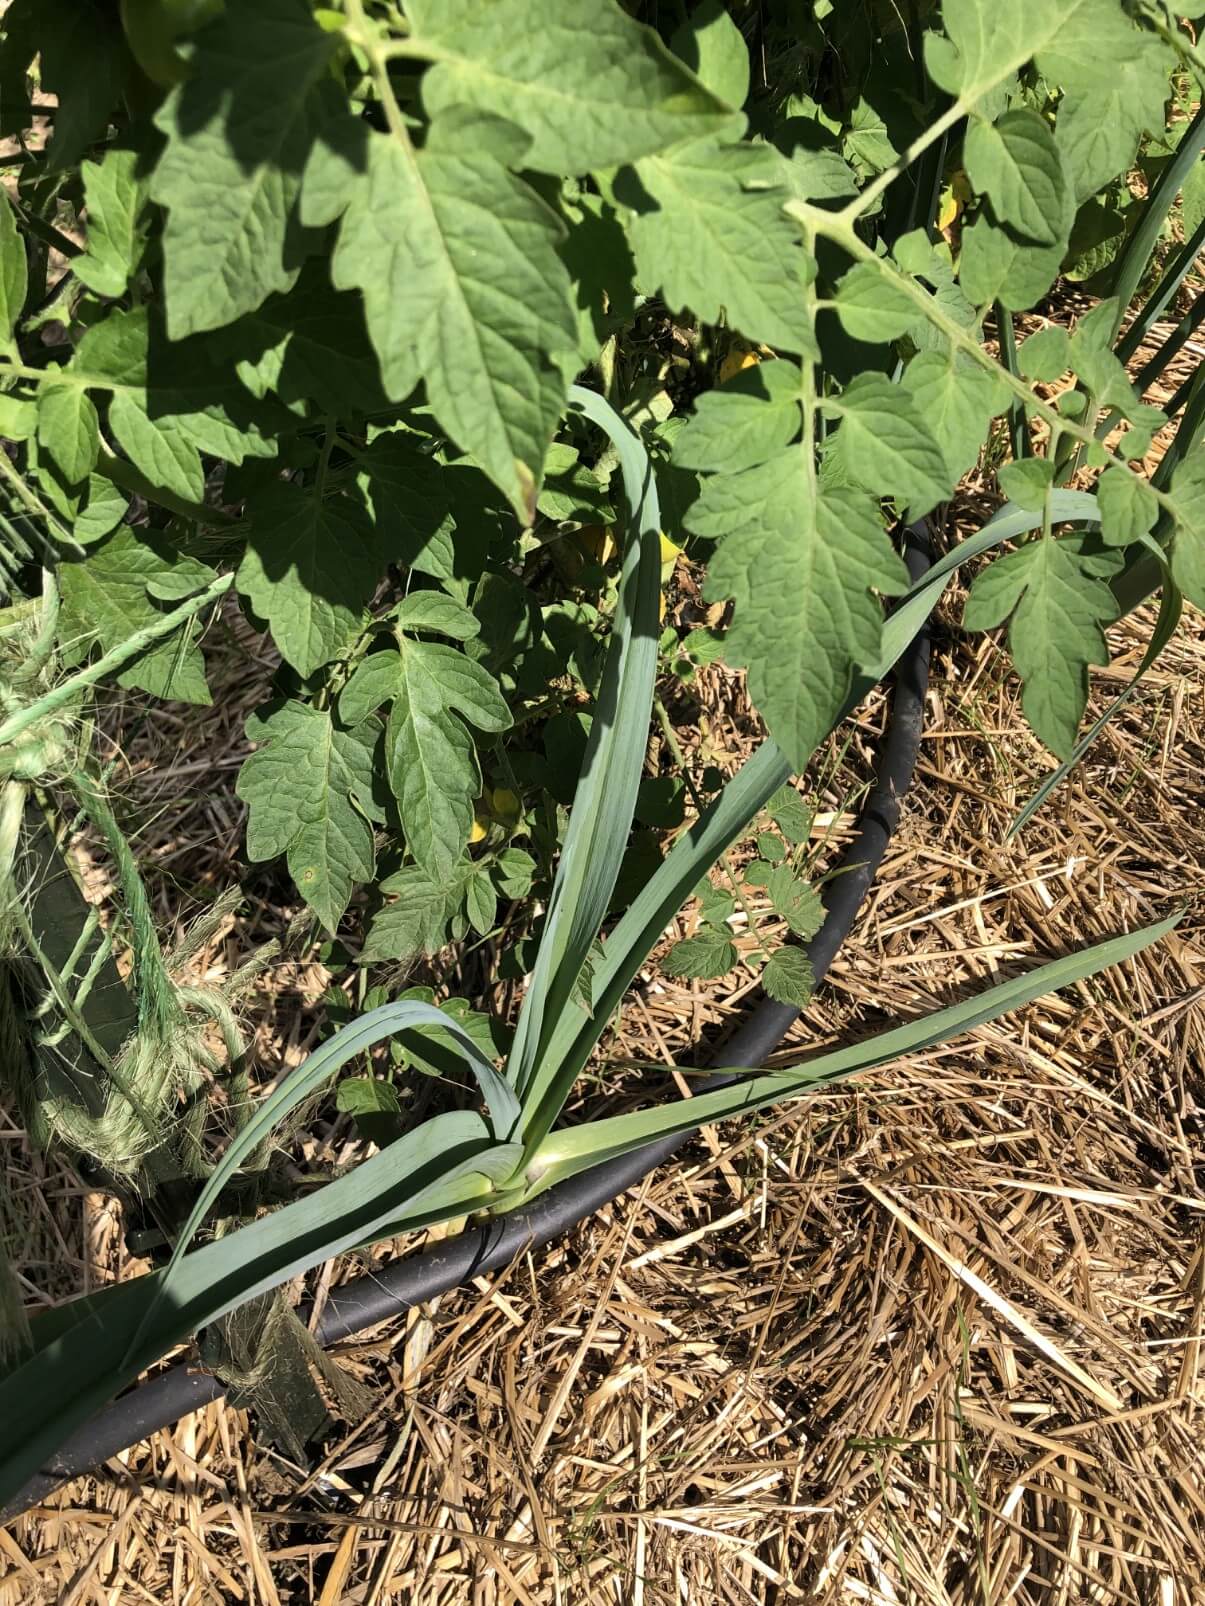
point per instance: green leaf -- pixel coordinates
(572, 492)
(14, 275)
(182, 577)
(68, 429)
(513, 872)
(238, 132)
(791, 815)
(373, 1105)
(885, 448)
(608, 784)
(443, 1169)
(427, 1047)
(1045, 355)
(1128, 506)
(590, 86)
(742, 423)
(985, 42)
(872, 306)
(310, 347)
(1099, 368)
(481, 904)
(996, 265)
(795, 901)
(438, 613)
(417, 919)
(573, 1149)
(703, 957)
(958, 399)
(431, 758)
(1027, 481)
(817, 175)
(102, 511)
(115, 198)
(308, 787)
(788, 976)
(708, 228)
(84, 65)
(105, 602)
(18, 417)
(866, 138)
(714, 49)
(1099, 126)
(1192, 200)
(1171, 606)
(309, 568)
(164, 420)
(158, 448)
(601, 270)
(410, 494)
(1188, 544)
(445, 247)
(1057, 595)
(800, 565)
(729, 816)
(716, 906)
(1015, 160)
(301, 1082)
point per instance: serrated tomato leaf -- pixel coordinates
(1056, 596)
(309, 790)
(788, 977)
(464, 289)
(707, 227)
(743, 422)
(310, 566)
(588, 84)
(105, 602)
(801, 564)
(435, 692)
(238, 132)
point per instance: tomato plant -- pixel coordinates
(427, 335)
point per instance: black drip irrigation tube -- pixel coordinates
(396, 1288)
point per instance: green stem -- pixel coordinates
(378, 52)
(71, 1014)
(157, 1006)
(807, 378)
(42, 649)
(36, 505)
(1018, 433)
(863, 202)
(324, 460)
(115, 658)
(831, 225)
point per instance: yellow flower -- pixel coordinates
(506, 805)
(598, 542)
(741, 356)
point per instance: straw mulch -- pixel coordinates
(930, 1337)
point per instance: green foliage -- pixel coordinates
(1055, 593)
(338, 276)
(410, 331)
(708, 230)
(309, 791)
(108, 598)
(431, 690)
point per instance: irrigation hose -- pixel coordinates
(392, 1290)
